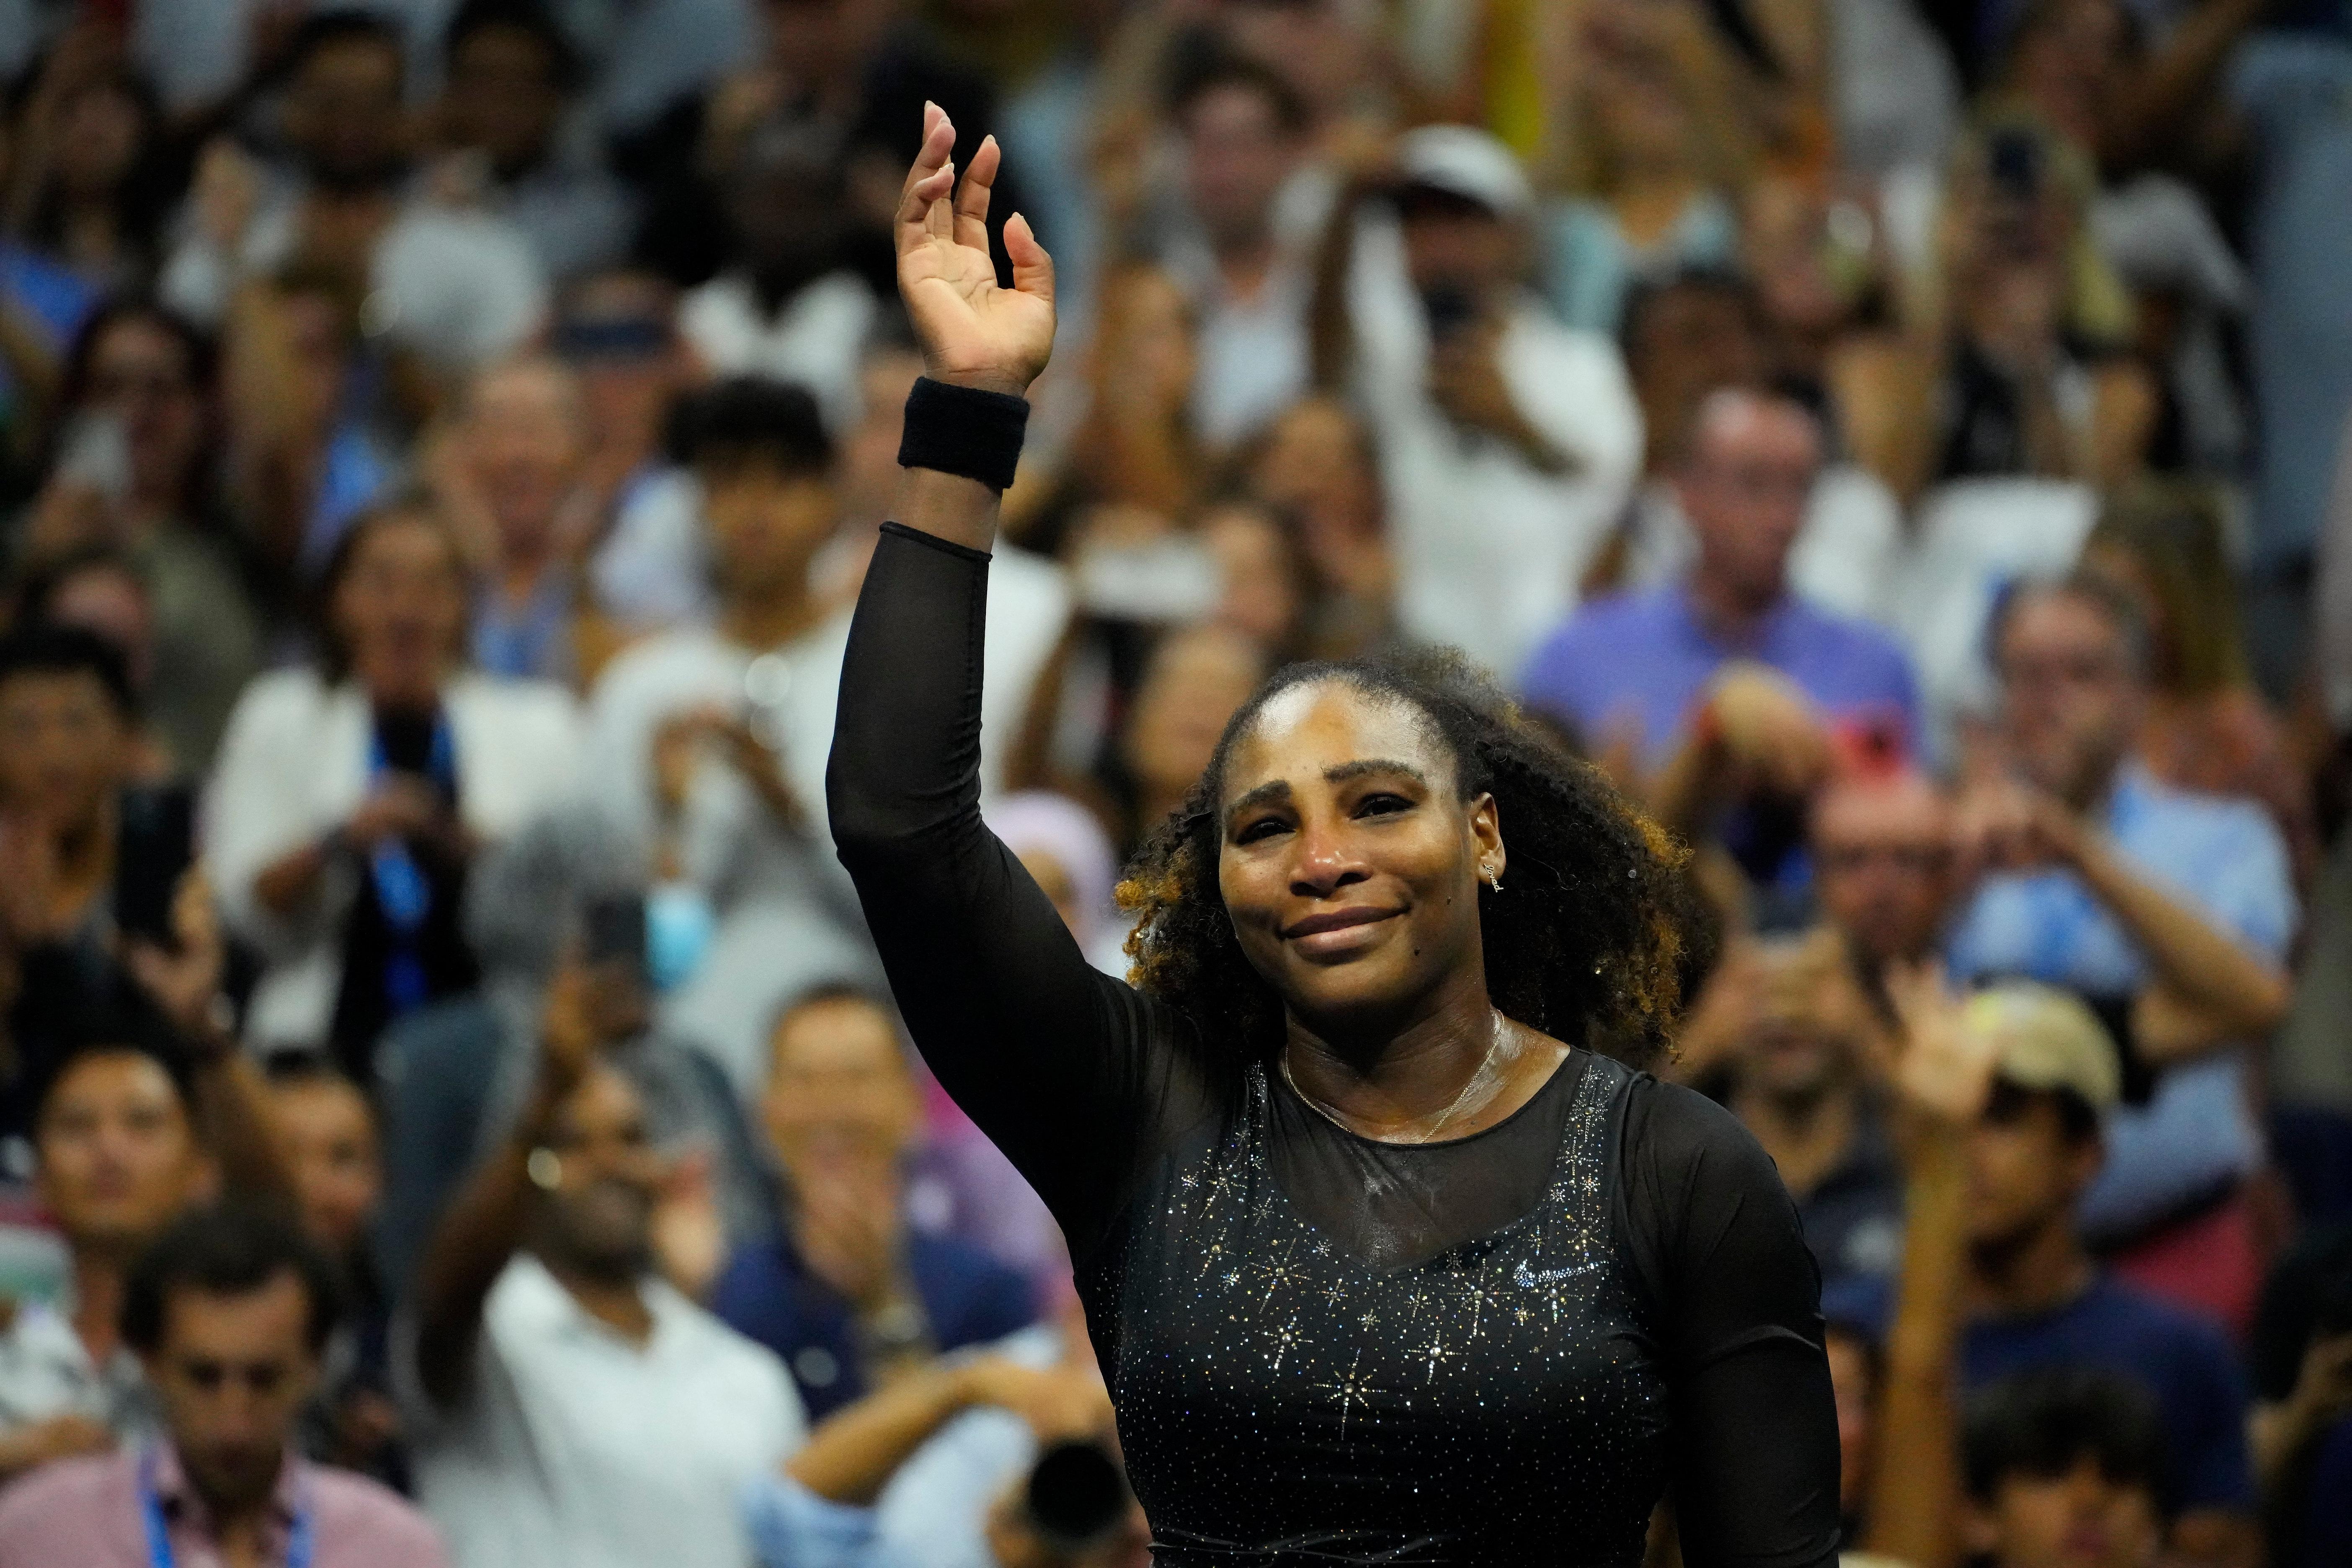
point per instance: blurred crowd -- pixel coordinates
(449, 1110)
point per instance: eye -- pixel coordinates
(1382, 803)
(1262, 828)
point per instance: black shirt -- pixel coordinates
(1324, 1348)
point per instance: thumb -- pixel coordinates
(1033, 270)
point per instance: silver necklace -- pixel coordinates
(1494, 1044)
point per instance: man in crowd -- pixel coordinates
(1508, 442)
(2170, 911)
(2027, 1294)
(571, 1408)
(457, 286)
(850, 1297)
(1726, 683)
(514, 484)
(1886, 867)
(1244, 258)
(2066, 1467)
(229, 1312)
(144, 1116)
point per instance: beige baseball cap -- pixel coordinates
(2048, 1040)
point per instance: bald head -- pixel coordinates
(1744, 484)
(1883, 861)
(525, 439)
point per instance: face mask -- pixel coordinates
(678, 926)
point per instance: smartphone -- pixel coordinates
(155, 848)
(614, 931)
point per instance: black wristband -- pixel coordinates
(964, 431)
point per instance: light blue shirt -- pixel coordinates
(2221, 857)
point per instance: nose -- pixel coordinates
(1324, 861)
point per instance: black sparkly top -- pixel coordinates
(1324, 1349)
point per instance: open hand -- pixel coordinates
(1944, 1070)
(972, 332)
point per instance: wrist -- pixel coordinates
(1002, 382)
(972, 431)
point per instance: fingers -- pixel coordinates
(1033, 270)
(972, 201)
(930, 180)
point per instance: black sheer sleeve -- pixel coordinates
(1717, 1245)
(1073, 1074)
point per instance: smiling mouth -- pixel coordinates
(1337, 919)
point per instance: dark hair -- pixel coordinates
(2095, 588)
(40, 586)
(197, 349)
(1196, 73)
(527, 17)
(1586, 945)
(229, 1249)
(292, 1066)
(750, 419)
(1718, 282)
(2043, 1422)
(111, 1027)
(409, 506)
(2176, 532)
(46, 649)
(346, 25)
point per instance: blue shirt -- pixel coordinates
(2182, 1360)
(769, 1295)
(2219, 856)
(1647, 657)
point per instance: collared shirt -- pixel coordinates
(46, 1372)
(1648, 657)
(89, 1513)
(2222, 857)
(576, 1448)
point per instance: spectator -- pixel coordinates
(849, 1296)
(458, 287)
(327, 1130)
(452, 1078)
(141, 1120)
(2032, 1297)
(1886, 867)
(1194, 682)
(1799, 1083)
(571, 1409)
(1507, 442)
(511, 78)
(2169, 910)
(89, 176)
(229, 1312)
(98, 589)
(91, 864)
(135, 470)
(2301, 1357)
(515, 479)
(351, 796)
(787, 308)
(2066, 1467)
(1245, 258)
(1648, 169)
(1316, 463)
(1725, 684)
(618, 329)
(2207, 727)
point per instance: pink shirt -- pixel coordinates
(86, 1513)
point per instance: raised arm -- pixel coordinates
(1057, 1063)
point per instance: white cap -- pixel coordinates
(1468, 164)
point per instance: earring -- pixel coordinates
(1494, 878)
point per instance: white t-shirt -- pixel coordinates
(1844, 558)
(575, 1449)
(1489, 551)
(813, 341)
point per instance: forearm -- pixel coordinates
(282, 885)
(852, 1455)
(1688, 789)
(470, 1250)
(1913, 1506)
(2246, 992)
(948, 505)
(232, 1099)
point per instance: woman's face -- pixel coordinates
(1349, 866)
(138, 373)
(98, 135)
(1253, 562)
(1196, 681)
(401, 607)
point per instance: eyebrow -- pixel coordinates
(1279, 789)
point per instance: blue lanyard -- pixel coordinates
(402, 889)
(301, 1535)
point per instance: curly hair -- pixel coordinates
(1591, 942)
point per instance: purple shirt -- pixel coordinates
(87, 1513)
(1646, 658)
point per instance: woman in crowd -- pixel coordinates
(350, 796)
(1316, 463)
(1377, 1262)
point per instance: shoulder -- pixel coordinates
(757, 1277)
(974, 1279)
(79, 1489)
(1679, 1130)
(2124, 1315)
(1600, 622)
(1851, 638)
(278, 700)
(504, 699)
(356, 1505)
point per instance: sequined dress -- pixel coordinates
(1323, 1349)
